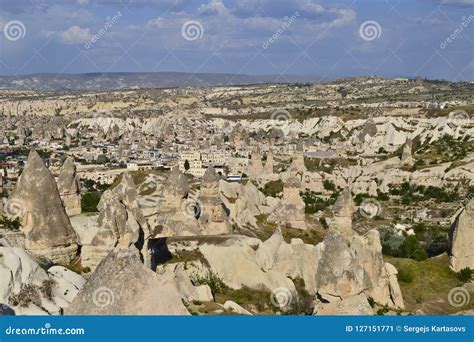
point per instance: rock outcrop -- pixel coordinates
(343, 210)
(255, 167)
(290, 210)
(462, 239)
(122, 285)
(297, 163)
(245, 202)
(120, 223)
(29, 290)
(177, 214)
(269, 163)
(238, 136)
(349, 272)
(213, 217)
(36, 201)
(406, 158)
(69, 187)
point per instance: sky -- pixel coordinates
(325, 39)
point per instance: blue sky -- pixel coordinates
(429, 38)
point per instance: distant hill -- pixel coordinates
(124, 80)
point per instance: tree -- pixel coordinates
(186, 165)
(102, 159)
(465, 275)
(89, 202)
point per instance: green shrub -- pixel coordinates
(406, 274)
(89, 201)
(273, 188)
(465, 275)
(328, 185)
(211, 279)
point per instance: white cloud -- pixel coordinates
(215, 7)
(75, 35)
(156, 23)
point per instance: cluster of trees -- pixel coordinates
(428, 241)
(410, 193)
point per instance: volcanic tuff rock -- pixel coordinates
(290, 210)
(176, 213)
(297, 163)
(255, 167)
(36, 201)
(120, 223)
(343, 210)
(177, 275)
(122, 285)
(269, 164)
(213, 218)
(348, 269)
(238, 136)
(407, 159)
(69, 187)
(28, 289)
(244, 202)
(462, 239)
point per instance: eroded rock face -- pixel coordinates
(30, 290)
(36, 201)
(343, 210)
(244, 202)
(290, 210)
(462, 239)
(255, 168)
(69, 187)
(213, 219)
(176, 213)
(238, 136)
(120, 223)
(349, 269)
(122, 285)
(269, 164)
(407, 159)
(239, 265)
(297, 163)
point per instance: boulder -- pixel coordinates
(234, 307)
(29, 290)
(122, 285)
